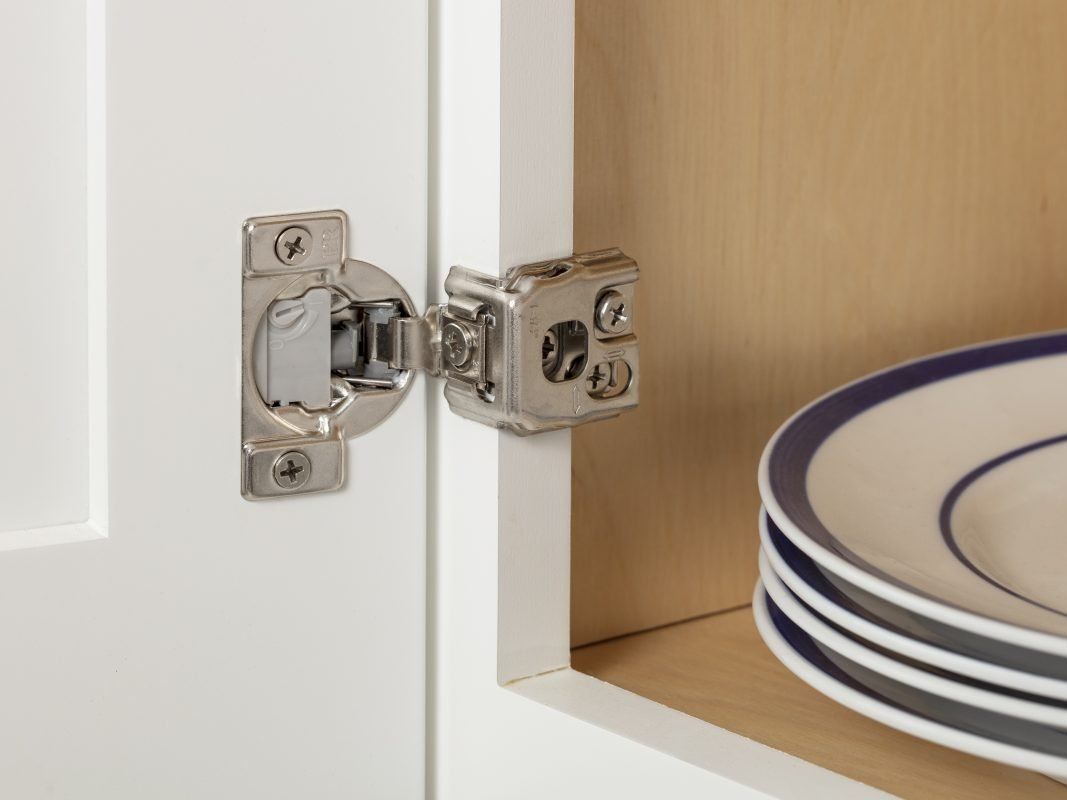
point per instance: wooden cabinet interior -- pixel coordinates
(813, 190)
(717, 669)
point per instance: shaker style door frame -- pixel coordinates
(53, 472)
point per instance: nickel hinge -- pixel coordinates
(330, 346)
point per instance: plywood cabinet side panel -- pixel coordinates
(813, 190)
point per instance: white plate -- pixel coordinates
(903, 632)
(939, 486)
(971, 730)
(928, 679)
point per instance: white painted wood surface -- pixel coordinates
(50, 347)
(501, 127)
(208, 647)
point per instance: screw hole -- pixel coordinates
(564, 350)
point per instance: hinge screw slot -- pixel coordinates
(609, 379)
(292, 470)
(548, 350)
(458, 345)
(293, 246)
(612, 316)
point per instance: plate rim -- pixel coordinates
(939, 610)
(903, 643)
(914, 677)
(896, 718)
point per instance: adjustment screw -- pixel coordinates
(457, 345)
(293, 246)
(599, 379)
(612, 315)
(609, 379)
(549, 350)
(292, 470)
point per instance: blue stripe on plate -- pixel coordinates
(954, 494)
(795, 447)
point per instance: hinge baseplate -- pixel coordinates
(330, 346)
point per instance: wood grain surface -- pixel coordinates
(718, 669)
(813, 190)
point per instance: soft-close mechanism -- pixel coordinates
(330, 346)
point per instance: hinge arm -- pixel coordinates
(416, 342)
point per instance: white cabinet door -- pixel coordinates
(163, 637)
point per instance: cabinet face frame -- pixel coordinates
(505, 709)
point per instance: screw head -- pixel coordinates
(550, 353)
(612, 313)
(293, 246)
(292, 470)
(598, 378)
(609, 379)
(457, 345)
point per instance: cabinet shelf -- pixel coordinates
(717, 669)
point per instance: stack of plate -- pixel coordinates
(914, 549)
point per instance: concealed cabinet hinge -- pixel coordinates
(330, 346)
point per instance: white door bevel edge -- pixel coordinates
(504, 708)
(96, 249)
(94, 526)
